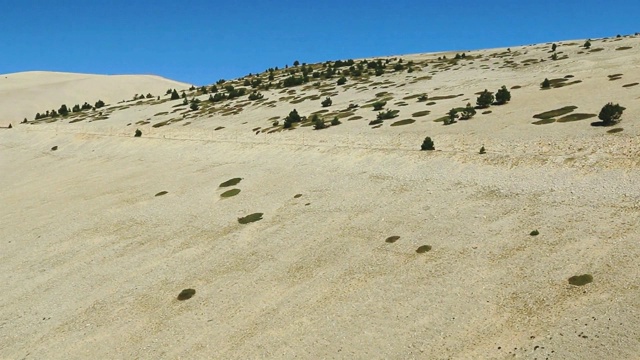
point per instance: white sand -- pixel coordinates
(91, 261)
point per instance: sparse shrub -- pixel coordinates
(610, 114)
(214, 89)
(175, 95)
(342, 80)
(427, 144)
(554, 56)
(335, 121)
(485, 99)
(138, 133)
(255, 96)
(99, 104)
(185, 101)
(553, 47)
(385, 115)
(293, 117)
(276, 123)
(587, 44)
(293, 81)
(318, 123)
(194, 106)
(482, 150)
(423, 97)
(468, 112)
(327, 102)
(379, 71)
(398, 67)
(76, 108)
(453, 115)
(545, 84)
(63, 110)
(379, 105)
(503, 96)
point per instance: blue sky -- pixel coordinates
(199, 41)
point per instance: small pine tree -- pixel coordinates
(318, 123)
(63, 110)
(554, 56)
(293, 117)
(327, 102)
(545, 84)
(587, 44)
(453, 115)
(485, 99)
(175, 95)
(194, 106)
(468, 112)
(553, 47)
(379, 105)
(427, 144)
(610, 114)
(503, 96)
(482, 150)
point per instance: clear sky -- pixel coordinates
(199, 42)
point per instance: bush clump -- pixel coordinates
(342, 80)
(335, 121)
(255, 96)
(468, 112)
(138, 133)
(385, 115)
(379, 105)
(318, 123)
(545, 84)
(485, 99)
(327, 102)
(610, 114)
(293, 117)
(427, 144)
(503, 96)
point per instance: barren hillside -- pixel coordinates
(318, 239)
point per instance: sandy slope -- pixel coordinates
(24, 94)
(91, 261)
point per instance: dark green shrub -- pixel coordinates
(292, 81)
(453, 115)
(138, 133)
(468, 112)
(485, 99)
(610, 114)
(385, 115)
(63, 110)
(587, 44)
(423, 97)
(342, 80)
(255, 96)
(194, 106)
(427, 144)
(553, 47)
(76, 108)
(482, 150)
(534, 233)
(554, 56)
(327, 102)
(503, 96)
(379, 105)
(318, 123)
(545, 84)
(175, 95)
(335, 121)
(293, 117)
(99, 104)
